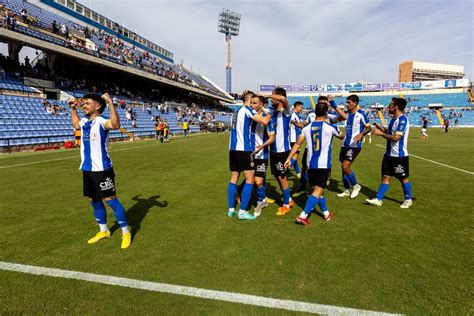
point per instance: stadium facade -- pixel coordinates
(412, 70)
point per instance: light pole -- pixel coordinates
(229, 24)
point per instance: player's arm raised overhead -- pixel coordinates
(74, 116)
(342, 116)
(114, 121)
(279, 98)
(294, 149)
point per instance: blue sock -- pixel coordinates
(231, 191)
(246, 195)
(286, 196)
(383, 188)
(119, 212)
(407, 190)
(294, 163)
(322, 204)
(345, 180)
(352, 178)
(99, 212)
(241, 187)
(311, 203)
(260, 193)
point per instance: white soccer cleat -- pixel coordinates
(355, 191)
(406, 204)
(258, 209)
(344, 194)
(374, 201)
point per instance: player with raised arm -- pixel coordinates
(331, 118)
(279, 150)
(241, 148)
(357, 126)
(97, 171)
(395, 161)
(318, 135)
(264, 136)
(295, 130)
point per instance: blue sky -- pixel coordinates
(304, 41)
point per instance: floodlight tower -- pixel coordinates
(229, 24)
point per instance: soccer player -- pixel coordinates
(424, 127)
(395, 161)
(279, 150)
(331, 118)
(318, 135)
(295, 130)
(97, 171)
(357, 126)
(185, 129)
(263, 137)
(241, 148)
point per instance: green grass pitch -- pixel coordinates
(415, 261)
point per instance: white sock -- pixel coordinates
(326, 213)
(242, 212)
(262, 201)
(125, 230)
(231, 209)
(103, 228)
(303, 215)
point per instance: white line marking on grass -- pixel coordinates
(188, 291)
(435, 162)
(68, 157)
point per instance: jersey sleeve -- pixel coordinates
(402, 126)
(306, 132)
(82, 121)
(102, 120)
(365, 119)
(249, 112)
(288, 112)
(270, 129)
(333, 118)
(335, 130)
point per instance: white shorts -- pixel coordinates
(423, 130)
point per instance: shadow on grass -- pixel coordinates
(138, 211)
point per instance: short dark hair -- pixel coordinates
(354, 98)
(297, 103)
(401, 103)
(280, 91)
(322, 98)
(260, 97)
(97, 98)
(248, 94)
(321, 109)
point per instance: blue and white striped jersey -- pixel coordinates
(94, 144)
(260, 135)
(240, 133)
(398, 126)
(281, 121)
(319, 135)
(332, 118)
(355, 124)
(295, 131)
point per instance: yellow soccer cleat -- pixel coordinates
(282, 210)
(99, 236)
(126, 240)
(270, 201)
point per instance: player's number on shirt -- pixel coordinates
(316, 142)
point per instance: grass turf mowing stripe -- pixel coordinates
(435, 162)
(188, 291)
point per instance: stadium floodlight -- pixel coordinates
(229, 24)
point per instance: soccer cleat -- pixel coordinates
(374, 201)
(302, 221)
(292, 203)
(329, 217)
(246, 216)
(344, 194)
(258, 209)
(406, 204)
(99, 236)
(126, 240)
(282, 210)
(355, 191)
(231, 213)
(270, 201)
(298, 175)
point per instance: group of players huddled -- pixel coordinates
(258, 133)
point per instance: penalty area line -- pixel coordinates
(435, 162)
(188, 291)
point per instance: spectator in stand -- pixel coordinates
(24, 15)
(134, 118)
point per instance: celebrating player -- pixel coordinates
(318, 135)
(295, 130)
(264, 136)
(357, 126)
(395, 161)
(241, 148)
(97, 171)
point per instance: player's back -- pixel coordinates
(319, 136)
(240, 132)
